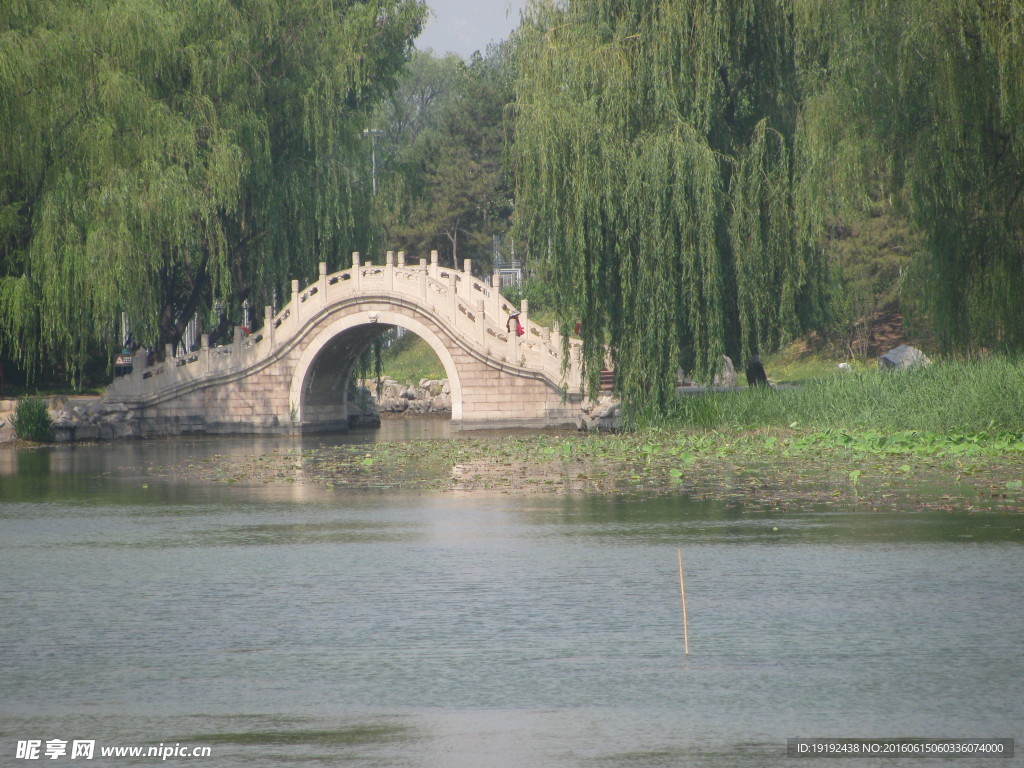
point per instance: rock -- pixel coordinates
(902, 358)
(429, 396)
(604, 415)
(845, 368)
(62, 434)
(124, 429)
(86, 432)
(726, 376)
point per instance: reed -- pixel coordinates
(970, 396)
(31, 420)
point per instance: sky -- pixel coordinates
(464, 26)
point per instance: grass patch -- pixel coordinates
(964, 397)
(793, 365)
(410, 359)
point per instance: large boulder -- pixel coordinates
(726, 376)
(902, 358)
(603, 415)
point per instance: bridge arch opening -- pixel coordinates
(319, 395)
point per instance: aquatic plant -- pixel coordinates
(31, 420)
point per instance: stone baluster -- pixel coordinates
(496, 295)
(401, 258)
(453, 299)
(423, 280)
(513, 343)
(481, 323)
(575, 353)
(296, 304)
(433, 264)
(357, 277)
(322, 285)
(389, 272)
(268, 326)
(204, 352)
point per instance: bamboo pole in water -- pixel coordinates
(682, 594)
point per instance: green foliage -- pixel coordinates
(794, 364)
(985, 395)
(655, 175)
(441, 178)
(410, 359)
(31, 420)
(160, 154)
(871, 254)
(540, 293)
(925, 102)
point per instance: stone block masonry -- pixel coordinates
(296, 372)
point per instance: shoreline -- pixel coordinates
(763, 468)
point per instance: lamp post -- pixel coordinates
(373, 133)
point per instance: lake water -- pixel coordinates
(296, 625)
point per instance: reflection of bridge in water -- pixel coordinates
(294, 372)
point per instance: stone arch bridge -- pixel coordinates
(294, 372)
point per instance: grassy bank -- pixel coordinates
(410, 359)
(974, 396)
(950, 436)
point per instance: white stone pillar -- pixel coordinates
(453, 299)
(204, 352)
(496, 295)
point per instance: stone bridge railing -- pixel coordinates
(473, 312)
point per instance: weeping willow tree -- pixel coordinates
(159, 155)
(924, 102)
(654, 158)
